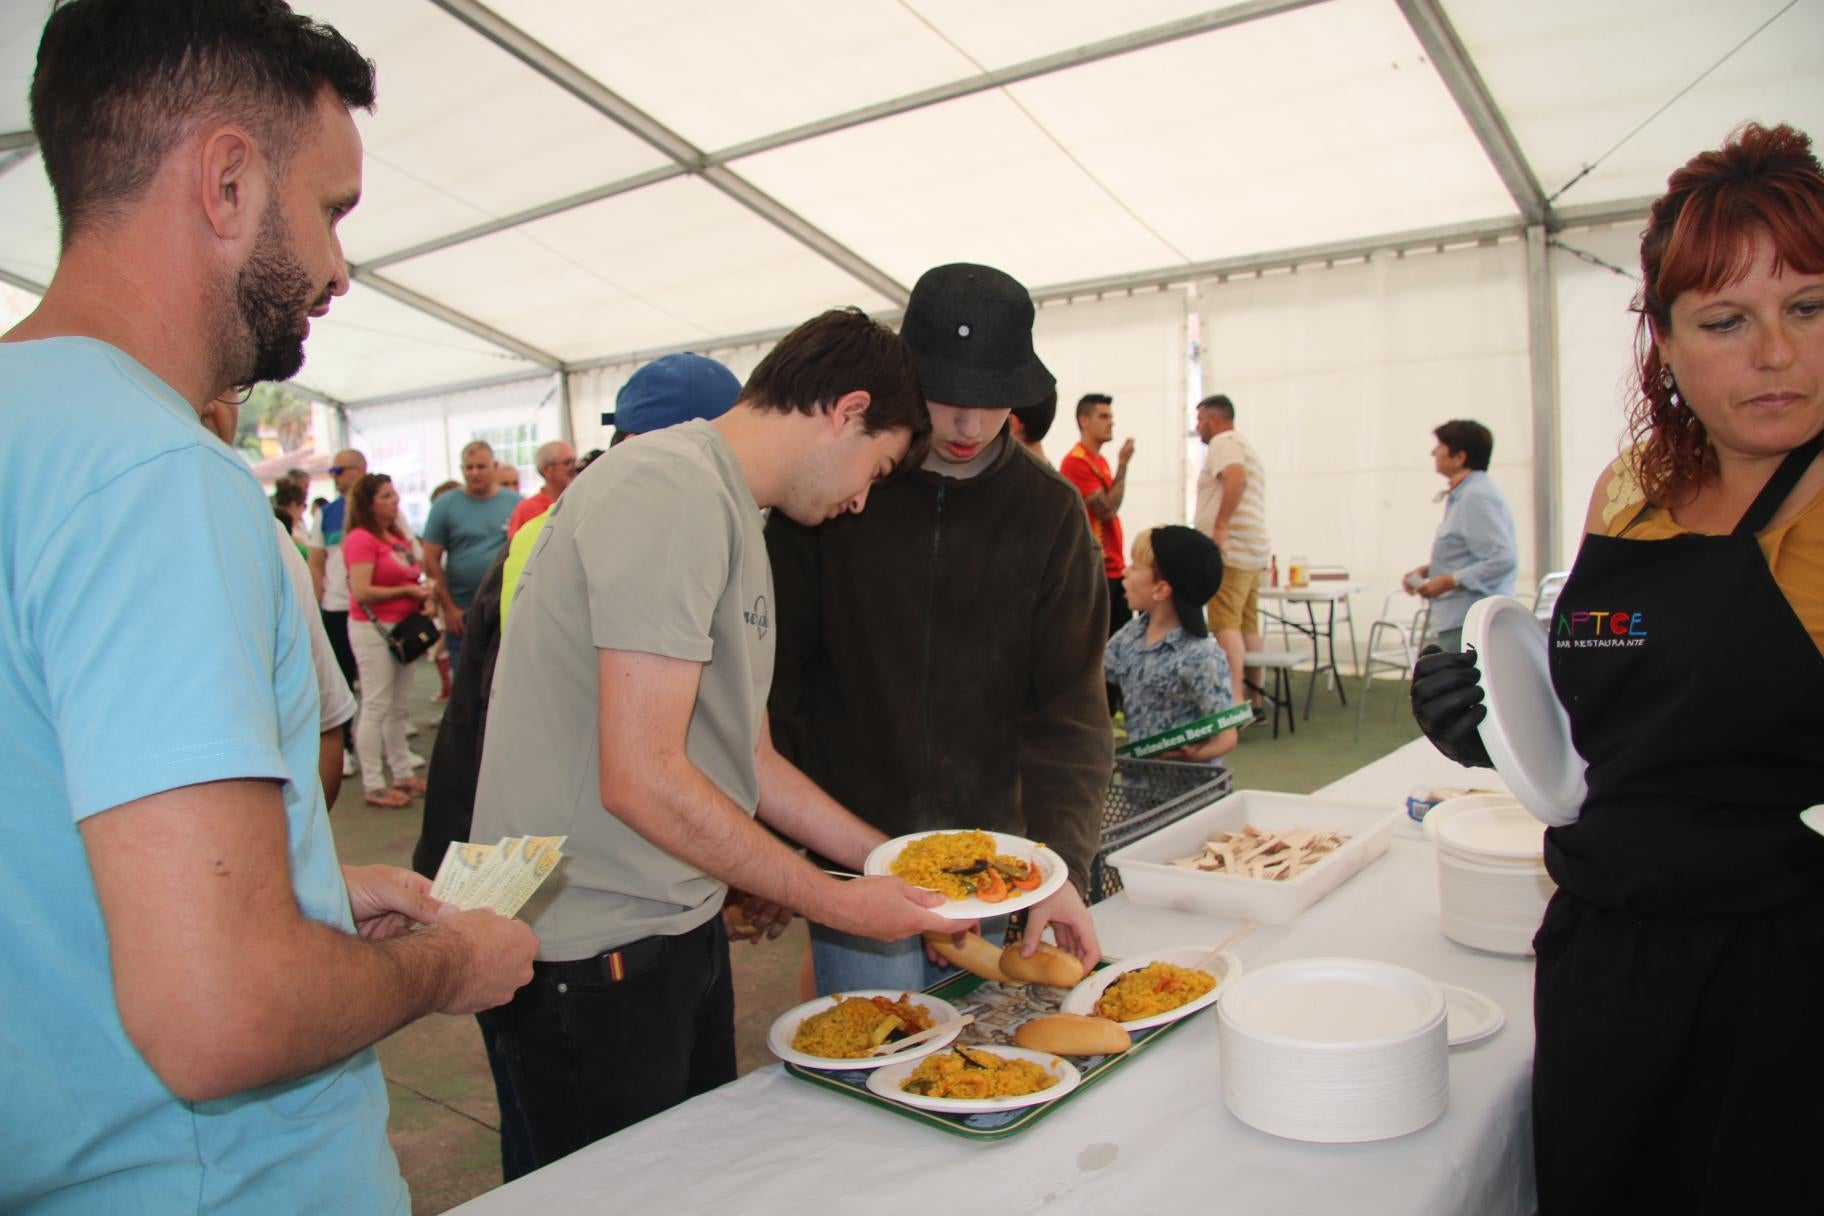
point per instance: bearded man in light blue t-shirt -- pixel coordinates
(191, 983)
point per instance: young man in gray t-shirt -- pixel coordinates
(629, 714)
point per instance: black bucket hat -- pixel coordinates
(970, 330)
(1192, 564)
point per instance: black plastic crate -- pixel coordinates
(1144, 796)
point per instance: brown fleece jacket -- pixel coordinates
(939, 660)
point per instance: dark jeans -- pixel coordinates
(515, 1146)
(335, 624)
(1119, 614)
(588, 1055)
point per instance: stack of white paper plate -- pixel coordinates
(1334, 1050)
(1492, 884)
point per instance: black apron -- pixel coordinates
(1679, 998)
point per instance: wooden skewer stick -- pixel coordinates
(1246, 928)
(913, 1040)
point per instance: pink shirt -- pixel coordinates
(393, 567)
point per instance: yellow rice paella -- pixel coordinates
(970, 1072)
(855, 1025)
(962, 865)
(1152, 990)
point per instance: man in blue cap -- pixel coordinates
(667, 391)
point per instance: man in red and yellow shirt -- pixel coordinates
(1102, 492)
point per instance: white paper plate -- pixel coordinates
(880, 861)
(1225, 967)
(1813, 818)
(779, 1038)
(1526, 731)
(884, 1083)
(1343, 1004)
(1471, 1016)
(1486, 827)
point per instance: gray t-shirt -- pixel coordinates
(657, 548)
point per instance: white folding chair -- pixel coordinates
(1393, 645)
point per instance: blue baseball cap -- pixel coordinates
(674, 389)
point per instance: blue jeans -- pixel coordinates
(845, 963)
(452, 646)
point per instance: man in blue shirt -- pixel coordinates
(463, 535)
(1474, 554)
(189, 982)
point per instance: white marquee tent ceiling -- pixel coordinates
(566, 183)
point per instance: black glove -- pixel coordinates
(1447, 701)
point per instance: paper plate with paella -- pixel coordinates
(976, 1080)
(979, 873)
(1153, 989)
(841, 1030)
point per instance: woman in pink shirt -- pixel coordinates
(384, 588)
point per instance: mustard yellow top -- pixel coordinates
(1794, 549)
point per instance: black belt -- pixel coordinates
(613, 966)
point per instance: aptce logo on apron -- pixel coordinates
(1573, 630)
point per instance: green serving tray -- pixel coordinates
(998, 1011)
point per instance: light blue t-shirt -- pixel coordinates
(148, 640)
(472, 532)
(1476, 543)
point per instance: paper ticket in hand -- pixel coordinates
(500, 876)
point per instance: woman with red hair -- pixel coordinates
(1679, 1065)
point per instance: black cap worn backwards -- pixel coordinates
(1192, 564)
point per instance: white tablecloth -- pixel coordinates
(1154, 1137)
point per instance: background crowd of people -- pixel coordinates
(863, 609)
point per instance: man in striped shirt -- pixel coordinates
(1232, 510)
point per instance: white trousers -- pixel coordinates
(386, 687)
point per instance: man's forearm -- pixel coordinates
(377, 987)
(797, 807)
(1104, 503)
(670, 802)
(1117, 490)
(1232, 488)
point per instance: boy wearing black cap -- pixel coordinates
(940, 656)
(1170, 671)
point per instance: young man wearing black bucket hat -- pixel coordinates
(940, 657)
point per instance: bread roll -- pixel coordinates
(1058, 968)
(1072, 1034)
(976, 956)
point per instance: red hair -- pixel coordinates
(1700, 237)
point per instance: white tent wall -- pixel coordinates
(1133, 349)
(1338, 376)
(418, 443)
(1595, 365)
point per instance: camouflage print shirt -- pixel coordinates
(1176, 680)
